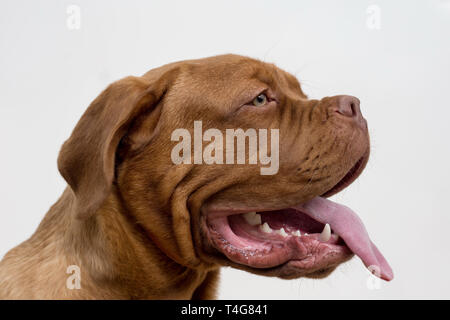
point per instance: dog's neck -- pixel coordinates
(113, 251)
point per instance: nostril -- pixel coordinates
(346, 109)
(348, 106)
(353, 107)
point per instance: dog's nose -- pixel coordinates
(349, 106)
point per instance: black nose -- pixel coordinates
(349, 106)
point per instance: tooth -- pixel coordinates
(326, 233)
(296, 233)
(282, 232)
(266, 228)
(252, 218)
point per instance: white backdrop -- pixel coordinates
(393, 55)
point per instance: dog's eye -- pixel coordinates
(260, 100)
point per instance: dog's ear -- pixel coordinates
(87, 158)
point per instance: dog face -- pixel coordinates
(204, 215)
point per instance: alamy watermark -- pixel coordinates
(73, 21)
(373, 21)
(373, 281)
(74, 280)
(234, 145)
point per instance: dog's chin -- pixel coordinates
(290, 270)
(287, 242)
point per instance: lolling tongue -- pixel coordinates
(349, 227)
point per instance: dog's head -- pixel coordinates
(221, 161)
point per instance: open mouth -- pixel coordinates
(309, 237)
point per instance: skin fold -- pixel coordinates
(135, 222)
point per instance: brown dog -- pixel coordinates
(139, 226)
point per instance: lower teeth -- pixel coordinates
(254, 219)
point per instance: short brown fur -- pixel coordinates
(132, 220)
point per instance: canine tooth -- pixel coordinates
(252, 218)
(266, 228)
(326, 233)
(296, 233)
(282, 232)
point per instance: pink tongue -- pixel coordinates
(349, 227)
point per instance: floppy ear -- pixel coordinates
(87, 158)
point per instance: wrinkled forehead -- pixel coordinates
(231, 75)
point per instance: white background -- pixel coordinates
(49, 74)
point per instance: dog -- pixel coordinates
(132, 224)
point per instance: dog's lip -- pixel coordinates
(349, 177)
